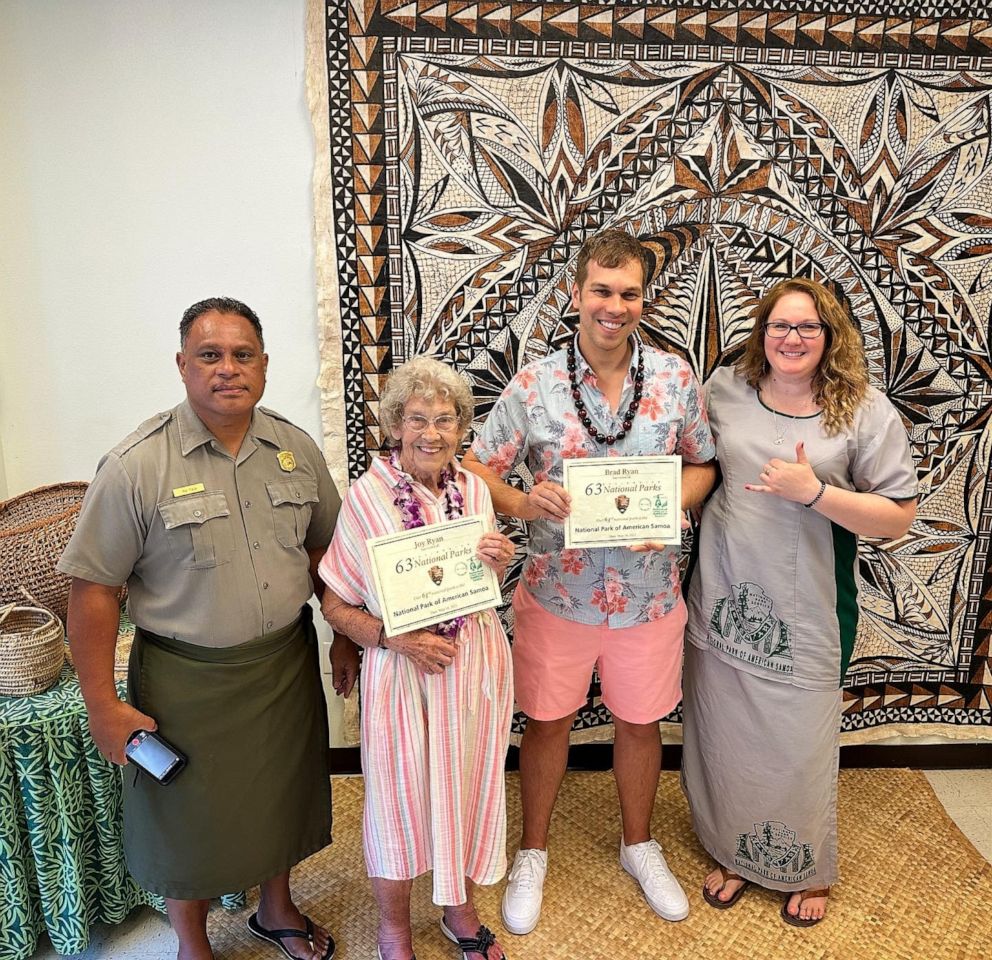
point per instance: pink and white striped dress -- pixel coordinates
(433, 745)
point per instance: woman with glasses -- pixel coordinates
(811, 457)
(436, 703)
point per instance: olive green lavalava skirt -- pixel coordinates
(255, 797)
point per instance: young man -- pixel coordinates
(616, 608)
(215, 513)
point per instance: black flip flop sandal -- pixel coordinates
(276, 937)
(484, 938)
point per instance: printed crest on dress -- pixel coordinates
(771, 850)
(437, 574)
(744, 626)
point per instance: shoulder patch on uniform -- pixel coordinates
(142, 431)
(274, 415)
(288, 423)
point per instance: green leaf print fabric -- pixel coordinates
(61, 861)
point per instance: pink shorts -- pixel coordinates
(640, 668)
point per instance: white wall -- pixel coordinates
(151, 154)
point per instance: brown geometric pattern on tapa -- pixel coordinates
(476, 145)
(686, 23)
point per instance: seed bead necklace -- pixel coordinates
(585, 419)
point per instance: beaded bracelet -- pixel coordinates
(815, 500)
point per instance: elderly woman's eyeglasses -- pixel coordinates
(779, 330)
(443, 424)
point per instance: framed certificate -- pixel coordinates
(620, 501)
(430, 574)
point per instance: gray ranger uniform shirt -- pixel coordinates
(213, 548)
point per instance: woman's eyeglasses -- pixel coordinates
(779, 330)
(443, 424)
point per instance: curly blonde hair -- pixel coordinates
(840, 383)
(428, 379)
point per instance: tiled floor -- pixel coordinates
(145, 935)
(967, 797)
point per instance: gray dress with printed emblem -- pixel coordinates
(772, 620)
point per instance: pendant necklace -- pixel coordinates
(780, 431)
(585, 419)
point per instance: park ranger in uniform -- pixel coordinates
(215, 514)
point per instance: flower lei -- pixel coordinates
(413, 517)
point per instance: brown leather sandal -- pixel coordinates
(797, 921)
(713, 899)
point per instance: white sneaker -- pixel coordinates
(646, 864)
(525, 891)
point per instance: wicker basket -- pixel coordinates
(32, 650)
(34, 530)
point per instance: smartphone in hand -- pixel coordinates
(155, 755)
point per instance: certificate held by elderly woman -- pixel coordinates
(620, 501)
(430, 574)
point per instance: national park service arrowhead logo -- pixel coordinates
(622, 502)
(437, 574)
(286, 460)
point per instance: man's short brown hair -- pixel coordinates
(610, 248)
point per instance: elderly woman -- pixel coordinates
(436, 703)
(811, 457)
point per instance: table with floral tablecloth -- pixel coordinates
(61, 860)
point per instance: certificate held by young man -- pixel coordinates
(622, 501)
(430, 574)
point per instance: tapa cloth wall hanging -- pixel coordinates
(466, 149)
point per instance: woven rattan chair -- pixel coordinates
(34, 529)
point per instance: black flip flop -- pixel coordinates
(276, 937)
(484, 938)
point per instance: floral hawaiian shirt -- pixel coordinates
(535, 421)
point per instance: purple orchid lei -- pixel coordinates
(413, 517)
